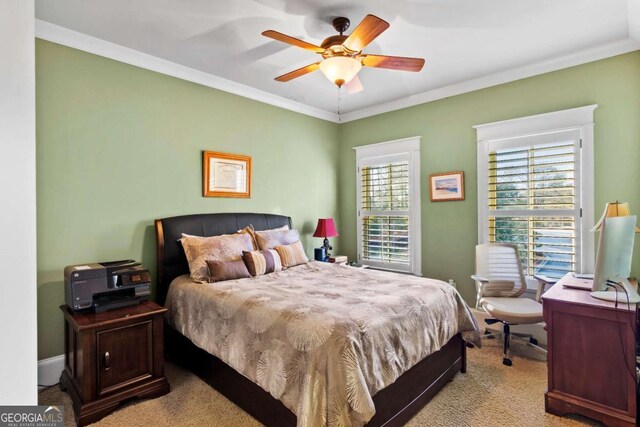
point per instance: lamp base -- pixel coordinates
(327, 248)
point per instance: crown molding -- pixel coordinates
(589, 55)
(64, 36)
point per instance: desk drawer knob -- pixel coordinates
(107, 361)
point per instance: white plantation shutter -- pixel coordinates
(533, 199)
(535, 189)
(385, 212)
(388, 209)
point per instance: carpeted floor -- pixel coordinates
(490, 394)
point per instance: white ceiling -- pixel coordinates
(461, 40)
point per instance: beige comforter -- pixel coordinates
(321, 338)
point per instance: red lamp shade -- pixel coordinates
(325, 228)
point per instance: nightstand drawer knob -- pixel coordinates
(107, 360)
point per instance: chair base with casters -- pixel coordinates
(511, 312)
(507, 337)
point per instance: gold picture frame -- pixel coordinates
(447, 186)
(226, 175)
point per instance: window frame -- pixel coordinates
(400, 149)
(511, 133)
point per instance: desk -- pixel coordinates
(592, 356)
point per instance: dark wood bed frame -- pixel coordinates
(395, 404)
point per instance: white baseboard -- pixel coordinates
(49, 370)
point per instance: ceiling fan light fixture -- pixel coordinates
(340, 69)
(342, 55)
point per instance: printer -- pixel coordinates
(104, 286)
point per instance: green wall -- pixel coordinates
(118, 146)
(449, 229)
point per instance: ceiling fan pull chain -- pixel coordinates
(339, 99)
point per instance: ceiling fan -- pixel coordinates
(342, 56)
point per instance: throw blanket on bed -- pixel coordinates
(321, 338)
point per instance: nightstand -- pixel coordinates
(111, 357)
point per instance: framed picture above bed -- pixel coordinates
(226, 175)
(447, 186)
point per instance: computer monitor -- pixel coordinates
(613, 262)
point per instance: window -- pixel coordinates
(536, 190)
(389, 205)
(533, 201)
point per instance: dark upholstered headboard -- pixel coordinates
(170, 259)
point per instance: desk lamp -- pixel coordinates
(614, 209)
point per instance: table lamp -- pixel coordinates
(614, 209)
(326, 228)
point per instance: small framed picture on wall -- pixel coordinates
(225, 175)
(448, 186)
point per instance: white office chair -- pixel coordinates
(500, 284)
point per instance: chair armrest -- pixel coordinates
(543, 281)
(480, 283)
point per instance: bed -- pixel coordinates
(352, 373)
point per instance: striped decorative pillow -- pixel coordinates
(262, 262)
(292, 254)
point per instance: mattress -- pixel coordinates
(321, 338)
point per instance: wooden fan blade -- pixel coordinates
(393, 62)
(370, 28)
(292, 41)
(298, 73)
